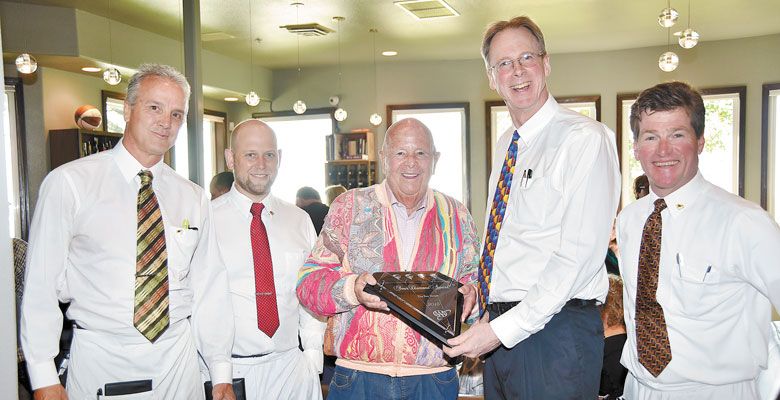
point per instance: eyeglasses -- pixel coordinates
(525, 60)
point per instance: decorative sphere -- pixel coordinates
(112, 76)
(340, 114)
(299, 107)
(88, 117)
(668, 61)
(688, 38)
(26, 63)
(375, 119)
(668, 17)
(252, 99)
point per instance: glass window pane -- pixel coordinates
(774, 146)
(302, 142)
(450, 174)
(115, 120)
(11, 164)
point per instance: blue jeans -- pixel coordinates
(353, 384)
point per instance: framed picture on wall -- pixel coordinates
(113, 104)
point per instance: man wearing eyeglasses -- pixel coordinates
(554, 191)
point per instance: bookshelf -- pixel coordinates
(351, 159)
(66, 145)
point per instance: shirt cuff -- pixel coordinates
(508, 331)
(316, 359)
(42, 374)
(221, 372)
(349, 290)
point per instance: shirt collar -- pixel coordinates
(244, 203)
(391, 199)
(531, 128)
(129, 166)
(684, 197)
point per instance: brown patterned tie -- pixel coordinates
(151, 270)
(652, 339)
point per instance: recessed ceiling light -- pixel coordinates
(389, 53)
(90, 69)
(231, 98)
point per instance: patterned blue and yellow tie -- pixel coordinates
(497, 211)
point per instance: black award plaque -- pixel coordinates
(428, 301)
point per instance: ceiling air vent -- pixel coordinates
(427, 9)
(310, 29)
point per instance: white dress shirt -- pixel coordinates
(718, 277)
(557, 224)
(291, 237)
(83, 251)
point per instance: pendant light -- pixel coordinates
(25, 62)
(252, 99)
(375, 119)
(668, 16)
(668, 61)
(299, 107)
(689, 37)
(340, 114)
(111, 75)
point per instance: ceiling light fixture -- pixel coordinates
(668, 16)
(26, 63)
(299, 106)
(389, 53)
(375, 119)
(252, 99)
(689, 37)
(231, 98)
(111, 75)
(340, 114)
(90, 69)
(668, 61)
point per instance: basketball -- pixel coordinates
(88, 117)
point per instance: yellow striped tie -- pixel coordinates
(151, 270)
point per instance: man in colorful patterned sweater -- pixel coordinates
(397, 225)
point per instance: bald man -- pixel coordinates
(398, 225)
(264, 242)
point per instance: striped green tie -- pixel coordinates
(151, 269)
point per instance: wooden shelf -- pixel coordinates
(66, 145)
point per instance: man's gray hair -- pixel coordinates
(159, 70)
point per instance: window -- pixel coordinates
(301, 138)
(770, 148)
(113, 111)
(498, 120)
(445, 120)
(213, 147)
(15, 159)
(721, 162)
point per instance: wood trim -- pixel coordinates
(765, 89)
(619, 127)
(21, 155)
(220, 142)
(467, 132)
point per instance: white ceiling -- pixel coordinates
(569, 25)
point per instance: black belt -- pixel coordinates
(499, 308)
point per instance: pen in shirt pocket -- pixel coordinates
(709, 268)
(680, 263)
(185, 225)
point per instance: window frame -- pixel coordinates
(21, 156)
(465, 140)
(489, 104)
(765, 90)
(104, 96)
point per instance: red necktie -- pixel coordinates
(265, 291)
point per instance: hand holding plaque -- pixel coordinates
(428, 301)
